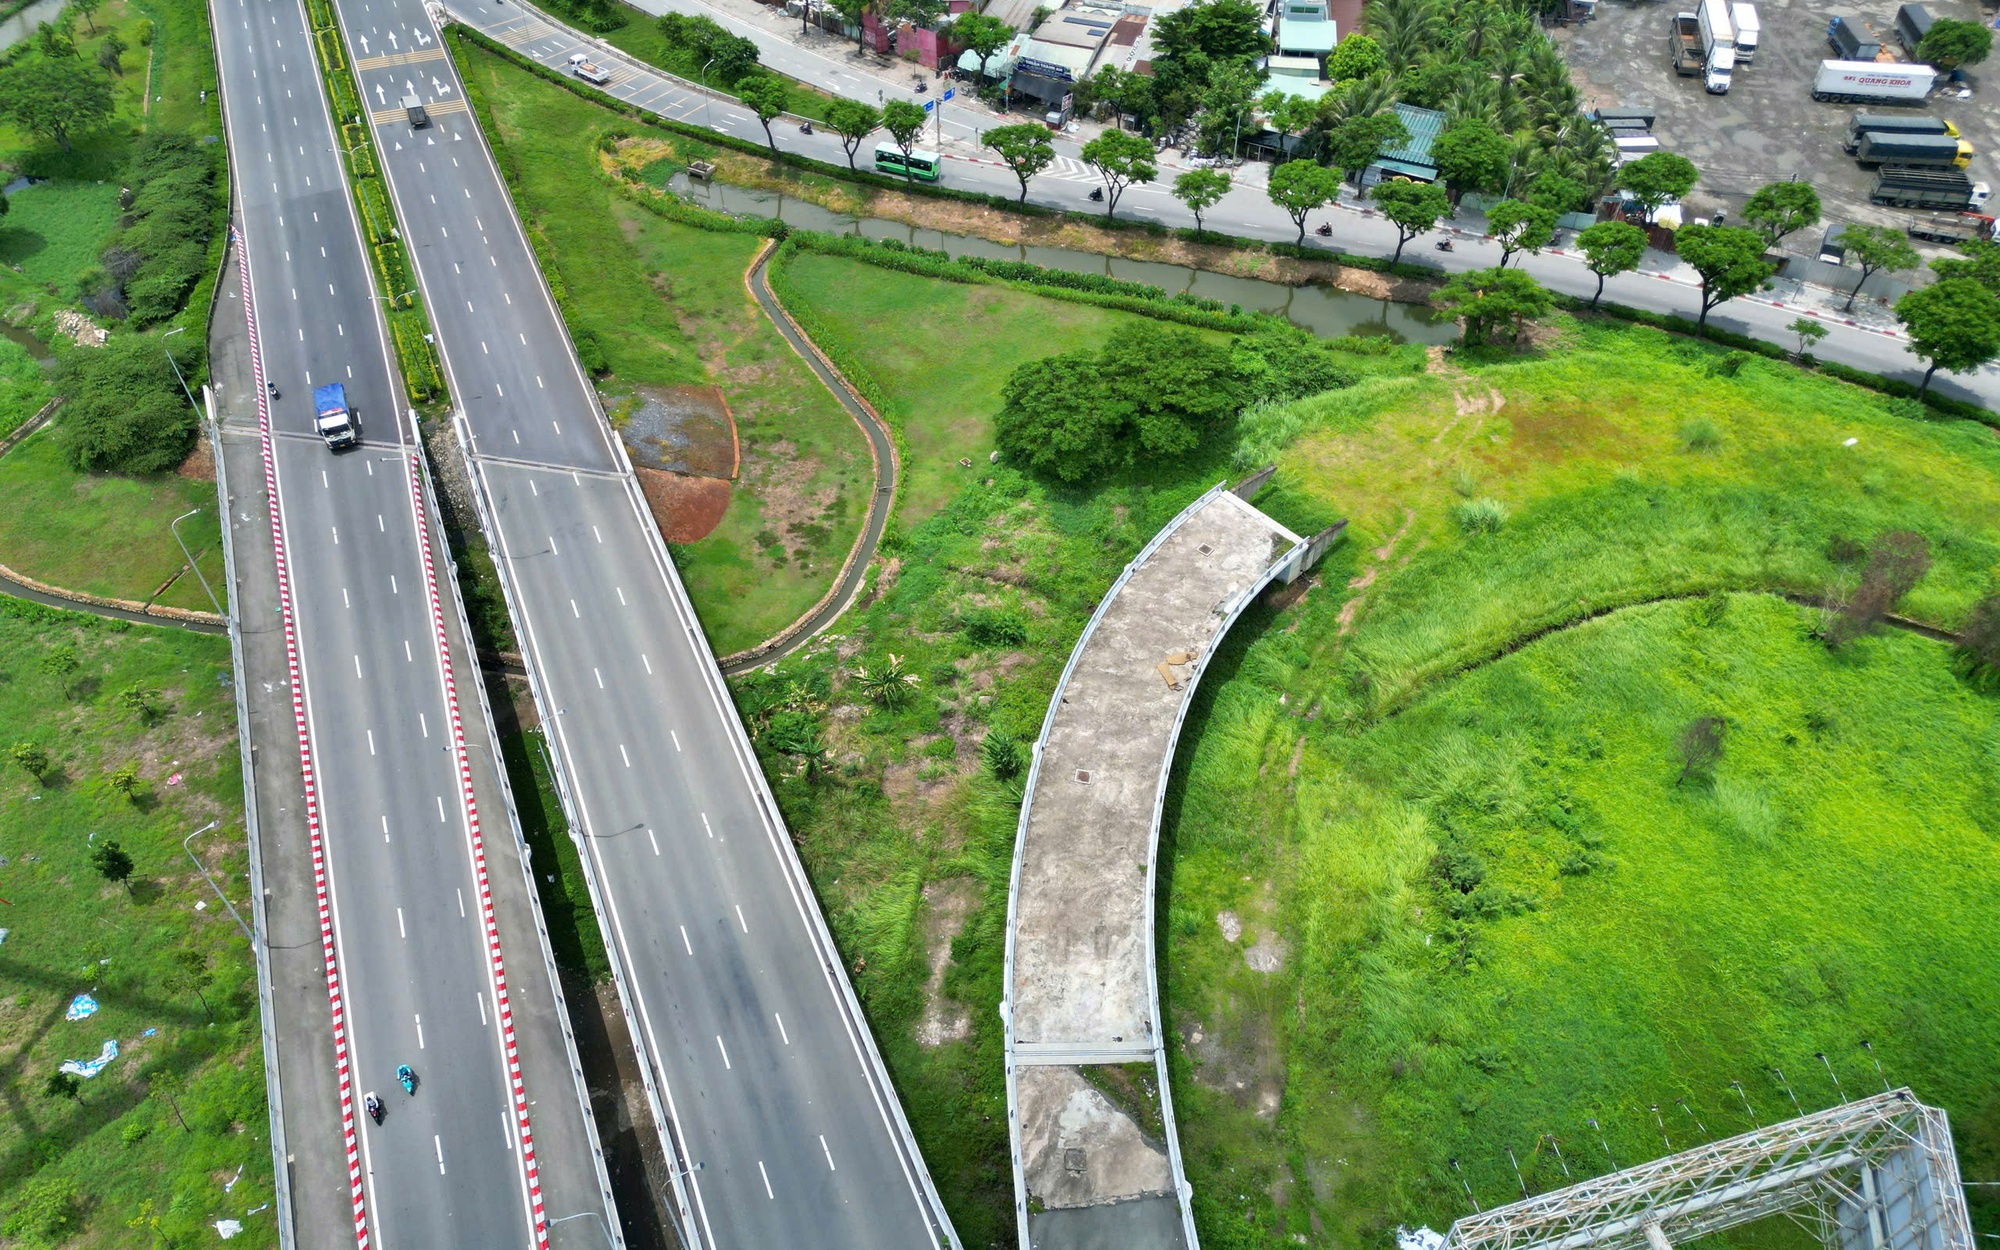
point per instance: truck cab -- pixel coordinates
(333, 419)
(413, 107)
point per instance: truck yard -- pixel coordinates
(1768, 127)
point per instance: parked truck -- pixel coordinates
(1850, 41)
(1865, 82)
(1748, 29)
(1894, 123)
(1686, 45)
(1938, 190)
(1913, 22)
(1915, 151)
(1718, 45)
(1952, 228)
(333, 418)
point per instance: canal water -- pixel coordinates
(22, 25)
(1323, 309)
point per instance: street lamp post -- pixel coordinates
(177, 368)
(175, 526)
(704, 90)
(211, 880)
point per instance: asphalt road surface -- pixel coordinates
(446, 1167)
(1245, 212)
(771, 1096)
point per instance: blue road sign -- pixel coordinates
(949, 92)
(929, 105)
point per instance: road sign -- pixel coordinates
(949, 92)
(929, 105)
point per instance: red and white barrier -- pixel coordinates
(488, 925)
(334, 993)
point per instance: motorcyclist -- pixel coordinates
(407, 1077)
(1443, 245)
(1325, 228)
(374, 1106)
(1097, 194)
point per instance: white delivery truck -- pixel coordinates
(1872, 82)
(1744, 18)
(1718, 45)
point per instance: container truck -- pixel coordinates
(1865, 82)
(1850, 42)
(1744, 18)
(1718, 45)
(1913, 22)
(1686, 45)
(1891, 123)
(333, 418)
(1940, 190)
(413, 108)
(1916, 151)
(1952, 227)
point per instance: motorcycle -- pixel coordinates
(374, 1106)
(407, 1078)
(922, 86)
(805, 128)
(1097, 194)
(272, 388)
(1325, 230)
(1443, 245)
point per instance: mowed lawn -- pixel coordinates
(1501, 909)
(172, 1134)
(103, 534)
(668, 303)
(54, 231)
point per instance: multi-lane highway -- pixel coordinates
(772, 1101)
(397, 770)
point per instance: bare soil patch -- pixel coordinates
(947, 904)
(683, 429)
(200, 463)
(686, 507)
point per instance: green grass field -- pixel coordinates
(24, 386)
(668, 303)
(54, 231)
(142, 1156)
(103, 534)
(1619, 939)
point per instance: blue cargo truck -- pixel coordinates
(333, 418)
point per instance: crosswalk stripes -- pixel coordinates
(388, 59)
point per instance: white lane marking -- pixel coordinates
(740, 920)
(380, 528)
(336, 535)
(621, 596)
(827, 1153)
(599, 674)
(461, 904)
(533, 489)
(420, 1031)
(371, 741)
(439, 1143)
(781, 1028)
(654, 840)
(423, 724)
(385, 828)
(573, 612)
(706, 825)
(593, 530)
(725, 1059)
(767, 1181)
(405, 933)
(553, 550)
(643, 660)
(684, 940)
(406, 652)
(345, 602)
(481, 996)
(440, 801)
(323, 482)
(622, 754)
(392, 585)
(357, 666)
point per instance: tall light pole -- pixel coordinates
(177, 368)
(704, 90)
(211, 880)
(175, 526)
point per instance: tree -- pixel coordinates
(1559, 193)
(766, 96)
(1656, 178)
(32, 759)
(1201, 190)
(1610, 248)
(1472, 156)
(1782, 207)
(1978, 646)
(904, 121)
(1810, 332)
(853, 121)
(1412, 207)
(1519, 227)
(853, 12)
(125, 412)
(1954, 323)
(1300, 187)
(1876, 248)
(109, 51)
(87, 8)
(60, 662)
(1025, 149)
(1121, 160)
(1357, 56)
(54, 98)
(1230, 95)
(1488, 298)
(798, 735)
(1217, 30)
(1288, 114)
(1951, 43)
(1981, 263)
(981, 34)
(1701, 749)
(168, 1083)
(1897, 561)
(1354, 144)
(1730, 260)
(111, 861)
(62, 1085)
(885, 685)
(190, 975)
(1054, 420)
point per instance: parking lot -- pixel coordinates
(1768, 128)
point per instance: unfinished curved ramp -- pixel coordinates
(1096, 1162)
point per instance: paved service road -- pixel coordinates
(770, 1094)
(418, 984)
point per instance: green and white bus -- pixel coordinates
(921, 165)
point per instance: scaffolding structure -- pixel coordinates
(1878, 1173)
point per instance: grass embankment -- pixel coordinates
(641, 37)
(666, 303)
(143, 1154)
(24, 386)
(1502, 912)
